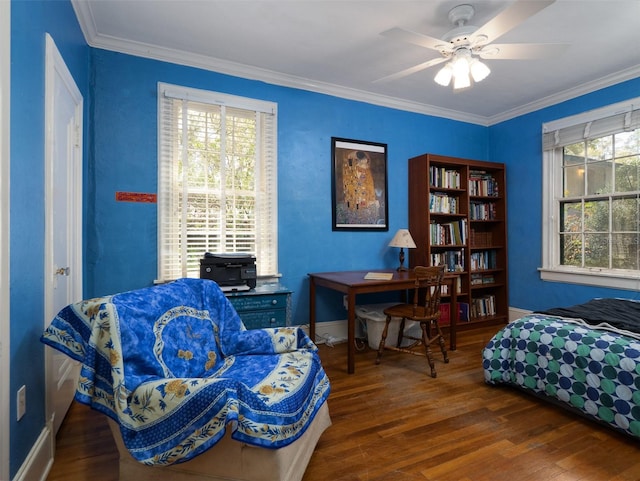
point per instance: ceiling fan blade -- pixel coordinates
(415, 38)
(510, 17)
(411, 70)
(522, 51)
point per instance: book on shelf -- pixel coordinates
(445, 314)
(480, 238)
(483, 306)
(479, 279)
(482, 210)
(440, 203)
(452, 259)
(482, 184)
(444, 178)
(463, 311)
(483, 260)
(448, 233)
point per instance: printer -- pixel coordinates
(232, 272)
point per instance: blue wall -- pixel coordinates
(121, 247)
(29, 22)
(518, 143)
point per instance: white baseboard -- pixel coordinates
(516, 313)
(331, 332)
(38, 463)
(336, 331)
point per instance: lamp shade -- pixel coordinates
(443, 77)
(402, 239)
(460, 63)
(461, 81)
(479, 71)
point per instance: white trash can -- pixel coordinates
(372, 317)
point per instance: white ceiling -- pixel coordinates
(336, 47)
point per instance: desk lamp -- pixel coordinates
(402, 239)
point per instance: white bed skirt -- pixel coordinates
(230, 460)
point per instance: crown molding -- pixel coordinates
(84, 14)
(572, 93)
(190, 59)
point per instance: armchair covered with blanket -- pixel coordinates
(173, 366)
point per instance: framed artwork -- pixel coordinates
(359, 185)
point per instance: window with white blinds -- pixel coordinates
(591, 197)
(217, 180)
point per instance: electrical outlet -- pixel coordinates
(21, 402)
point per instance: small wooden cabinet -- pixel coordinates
(268, 305)
(457, 217)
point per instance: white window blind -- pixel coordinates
(622, 117)
(217, 180)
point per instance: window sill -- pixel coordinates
(613, 279)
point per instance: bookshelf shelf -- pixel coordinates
(457, 216)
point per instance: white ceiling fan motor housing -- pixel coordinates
(460, 16)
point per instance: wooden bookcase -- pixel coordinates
(457, 216)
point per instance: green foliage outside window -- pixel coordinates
(221, 187)
(599, 224)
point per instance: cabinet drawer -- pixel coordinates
(252, 303)
(264, 318)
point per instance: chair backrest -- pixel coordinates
(428, 287)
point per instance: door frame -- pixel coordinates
(56, 67)
(5, 320)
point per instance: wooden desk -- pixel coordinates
(353, 283)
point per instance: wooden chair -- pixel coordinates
(425, 310)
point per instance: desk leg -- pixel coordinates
(351, 332)
(454, 315)
(312, 309)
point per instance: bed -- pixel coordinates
(584, 357)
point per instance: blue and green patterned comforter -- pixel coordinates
(594, 370)
(175, 367)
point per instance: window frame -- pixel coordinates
(551, 269)
(266, 178)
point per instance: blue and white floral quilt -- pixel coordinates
(175, 367)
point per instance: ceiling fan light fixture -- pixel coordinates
(462, 67)
(443, 77)
(463, 47)
(460, 63)
(461, 82)
(479, 70)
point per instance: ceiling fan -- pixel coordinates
(466, 44)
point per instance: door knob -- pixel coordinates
(63, 271)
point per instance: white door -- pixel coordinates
(5, 68)
(63, 221)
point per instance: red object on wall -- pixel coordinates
(136, 197)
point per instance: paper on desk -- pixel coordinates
(379, 276)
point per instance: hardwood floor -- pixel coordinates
(394, 422)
